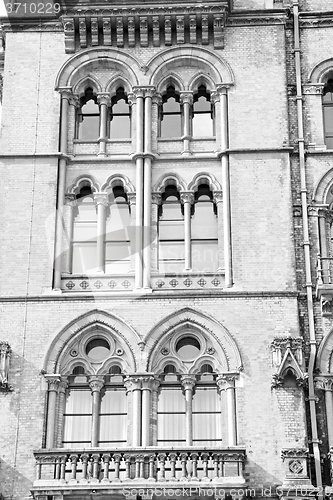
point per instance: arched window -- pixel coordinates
(120, 116)
(171, 232)
(171, 114)
(113, 410)
(206, 410)
(88, 117)
(117, 234)
(171, 411)
(204, 237)
(202, 114)
(328, 113)
(84, 232)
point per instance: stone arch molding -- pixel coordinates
(87, 62)
(187, 319)
(321, 72)
(101, 321)
(323, 191)
(325, 355)
(204, 60)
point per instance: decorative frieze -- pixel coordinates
(313, 88)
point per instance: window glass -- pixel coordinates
(84, 257)
(113, 417)
(204, 255)
(206, 413)
(171, 232)
(97, 349)
(328, 114)
(120, 116)
(88, 117)
(171, 119)
(171, 416)
(202, 115)
(77, 419)
(188, 348)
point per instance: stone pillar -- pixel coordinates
(63, 385)
(70, 204)
(227, 383)
(156, 200)
(154, 399)
(218, 200)
(147, 386)
(53, 384)
(96, 383)
(313, 95)
(132, 201)
(156, 103)
(104, 102)
(133, 385)
(326, 385)
(186, 99)
(325, 268)
(102, 201)
(187, 198)
(188, 383)
(65, 96)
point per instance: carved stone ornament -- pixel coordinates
(5, 353)
(326, 303)
(295, 462)
(287, 356)
(313, 88)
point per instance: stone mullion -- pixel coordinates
(227, 383)
(218, 199)
(132, 201)
(154, 404)
(188, 383)
(133, 385)
(102, 202)
(186, 99)
(95, 383)
(156, 103)
(104, 102)
(63, 385)
(67, 251)
(312, 95)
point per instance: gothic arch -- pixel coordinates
(201, 79)
(82, 181)
(323, 192)
(321, 72)
(89, 321)
(171, 79)
(89, 60)
(116, 81)
(118, 180)
(170, 179)
(88, 81)
(206, 61)
(324, 355)
(225, 345)
(204, 178)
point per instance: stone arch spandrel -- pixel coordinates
(205, 60)
(324, 354)
(87, 61)
(99, 319)
(201, 322)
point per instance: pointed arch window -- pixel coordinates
(204, 231)
(206, 409)
(171, 232)
(113, 410)
(88, 117)
(120, 116)
(84, 232)
(171, 114)
(328, 113)
(117, 234)
(202, 114)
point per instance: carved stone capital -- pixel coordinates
(101, 199)
(157, 99)
(103, 98)
(214, 97)
(66, 93)
(324, 384)
(226, 381)
(138, 91)
(74, 100)
(53, 382)
(188, 382)
(156, 198)
(70, 199)
(186, 97)
(131, 198)
(313, 88)
(63, 385)
(96, 383)
(187, 197)
(218, 196)
(133, 383)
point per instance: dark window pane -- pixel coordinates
(328, 120)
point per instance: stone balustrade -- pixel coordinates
(59, 467)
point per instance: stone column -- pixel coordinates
(102, 202)
(325, 269)
(132, 202)
(96, 383)
(53, 384)
(187, 199)
(218, 200)
(326, 385)
(65, 96)
(70, 204)
(63, 385)
(188, 383)
(104, 102)
(147, 386)
(227, 383)
(133, 385)
(156, 200)
(156, 103)
(186, 99)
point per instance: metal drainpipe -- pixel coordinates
(313, 344)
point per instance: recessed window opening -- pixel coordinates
(202, 114)
(188, 347)
(117, 235)
(98, 349)
(171, 115)
(206, 368)
(328, 113)
(204, 237)
(88, 117)
(84, 232)
(120, 116)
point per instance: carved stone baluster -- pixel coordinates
(95, 478)
(173, 458)
(162, 457)
(57, 468)
(151, 468)
(128, 467)
(38, 468)
(63, 469)
(142, 467)
(204, 459)
(106, 462)
(183, 459)
(216, 466)
(84, 460)
(116, 458)
(73, 458)
(137, 466)
(194, 459)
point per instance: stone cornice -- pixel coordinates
(316, 19)
(258, 18)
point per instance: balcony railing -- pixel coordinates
(78, 468)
